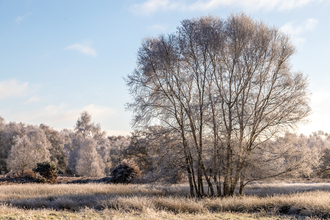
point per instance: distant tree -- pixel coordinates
(7, 140)
(158, 154)
(28, 150)
(289, 156)
(89, 161)
(119, 145)
(138, 151)
(57, 155)
(85, 126)
(84, 130)
(2, 123)
(320, 141)
(72, 142)
(324, 169)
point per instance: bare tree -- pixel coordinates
(226, 87)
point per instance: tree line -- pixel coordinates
(86, 150)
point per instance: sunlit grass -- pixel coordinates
(15, 213)
(99, 201)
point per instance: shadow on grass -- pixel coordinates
(179, 204)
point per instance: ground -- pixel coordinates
(262, 200)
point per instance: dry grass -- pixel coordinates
(15, 213)
(283, 188)
(101, 201)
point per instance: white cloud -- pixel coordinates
(308, 25)
(61, 116)
(32, 99)
(117, 132)
(158, 27)
(151, 6)
(296, 30)
(12, 88)
(84, 48)
(19, 19)
(320, 117)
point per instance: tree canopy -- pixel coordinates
(226, 87)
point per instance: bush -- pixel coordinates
(125, 172)
(47, 171)
(40, 179)
(28, 174)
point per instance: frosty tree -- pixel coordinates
(57, 155)
(80, 140)
(225, 86)
(7, 140)
(89, 162)
(28, 150)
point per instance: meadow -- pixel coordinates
(274, 200)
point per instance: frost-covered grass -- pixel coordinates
(97, 201)
(15, 213)
(280, 188)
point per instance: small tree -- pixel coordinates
(47, 170)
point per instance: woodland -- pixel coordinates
(215, 106)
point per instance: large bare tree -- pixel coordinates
(226, 86)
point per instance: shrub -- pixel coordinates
(29, 174)
(47, 171)
(40, 179)
(125, 172)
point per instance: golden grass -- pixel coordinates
(280, 188)
(21, 191)
(15, 213)
(99, 201)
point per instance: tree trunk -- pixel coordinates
(242, 179)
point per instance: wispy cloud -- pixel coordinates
(12, 88)
(62, 116)
(32, 99)
(158, 27)
(85, 48)
(151, 6)
(297, 30)
(19, 19)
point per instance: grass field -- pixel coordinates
(102, 201)
(15, 213)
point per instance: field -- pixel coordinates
(278, 200)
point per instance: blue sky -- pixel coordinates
(59, 58)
